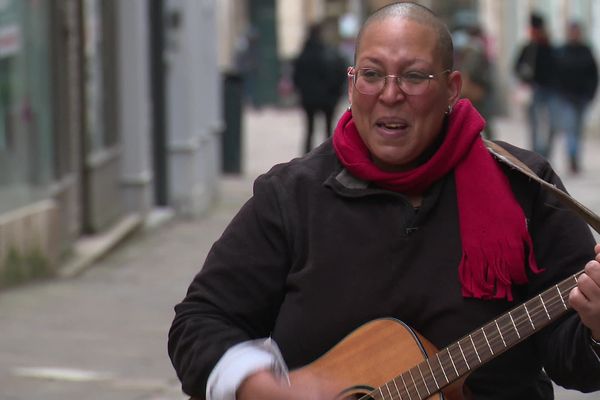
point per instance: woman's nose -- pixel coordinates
(391, 91)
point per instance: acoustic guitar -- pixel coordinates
(387, 360)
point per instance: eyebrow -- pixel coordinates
(409, 64)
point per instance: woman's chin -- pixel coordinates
(393, 163)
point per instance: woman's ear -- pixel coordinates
(349, 74)
(454, 87)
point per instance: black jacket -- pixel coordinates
(319, 75)
(316, 253)
(536, 64)
(578, 73)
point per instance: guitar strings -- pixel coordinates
(523, 321)
(470, 353)
(493, 338)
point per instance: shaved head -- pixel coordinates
(419, 14)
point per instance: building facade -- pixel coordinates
(108, 110)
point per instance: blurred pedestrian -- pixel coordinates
(247, 63)
(319, 78)
(473, 61)
(578, 73)
(536, 67)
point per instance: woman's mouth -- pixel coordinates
(392, 127)
(389, 126)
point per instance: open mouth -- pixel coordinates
(392, 125)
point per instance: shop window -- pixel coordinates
(25, 110)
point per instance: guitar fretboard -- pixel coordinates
(478, 347)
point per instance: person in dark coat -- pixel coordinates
(403, 215)
(578, 82)
(319, 75)
(535, 66)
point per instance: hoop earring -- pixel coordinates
(349, 107)
(449, 110)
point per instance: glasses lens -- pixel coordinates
(414, 88)
(370, 83)
(367, 84)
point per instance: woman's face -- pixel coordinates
(395, 127)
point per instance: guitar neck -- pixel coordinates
(480, 346)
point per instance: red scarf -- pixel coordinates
(496, 243)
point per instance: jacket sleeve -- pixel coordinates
(563, 244)
(236, 295)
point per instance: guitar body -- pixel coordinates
(369, 357)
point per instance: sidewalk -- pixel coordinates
(102, 335)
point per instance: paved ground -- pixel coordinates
(102, 335)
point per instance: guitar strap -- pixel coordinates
(505, 157)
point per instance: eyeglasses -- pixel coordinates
(371, 81)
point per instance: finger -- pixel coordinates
(589, 288)
(577, 300)
(592, 270)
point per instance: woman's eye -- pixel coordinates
(414, 77)
(371, 74)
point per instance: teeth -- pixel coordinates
(392, 126)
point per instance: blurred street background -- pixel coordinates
(130, 134)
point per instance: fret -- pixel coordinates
(500, 332)
(538, 312)
(524, 321)
(529, 316)
(437, 385)
(475, 348)
(406, 387)
(414, 383)
(509, 332)
(442, 368)
(452, 361)
(495, 337)
(561, 298)
(381, 393)
(487, 341)
(568, 284)
(423, 378)
(389, 391)
(470, 352)
(481, 343)
(545, 308)
(514, 325)
(553, 304)
(463, 355)
(397, 390)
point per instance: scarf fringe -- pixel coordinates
(489, 275)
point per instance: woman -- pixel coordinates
(403, 214)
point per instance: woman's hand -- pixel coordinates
(264, 385)
(585, 298)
